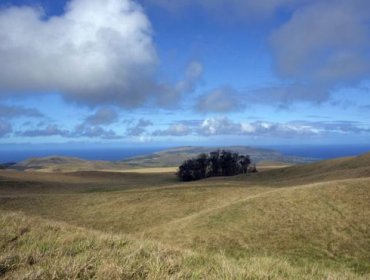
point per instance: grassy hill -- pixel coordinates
(167, 158)
(301, 222)
(66, 164)
(175, 156)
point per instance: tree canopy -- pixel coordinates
(217, 163)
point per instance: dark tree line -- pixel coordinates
(217, 163)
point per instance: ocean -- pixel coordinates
(322, 152)
(115, 154)
(110, 154)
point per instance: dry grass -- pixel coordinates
(301, 222)
(323, 221)
(33, 248)
(172, 170)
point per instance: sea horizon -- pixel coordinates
(319, 152)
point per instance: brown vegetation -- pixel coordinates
(300, 222)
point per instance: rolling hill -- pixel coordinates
(167, 158)
(175, 156)
(65, 164)
(308, 221)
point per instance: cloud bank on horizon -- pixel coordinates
(107, 64)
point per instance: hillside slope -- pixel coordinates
(175, 156)
(334, 169)
(315, 221)
(34, 248)
(302, 222)
(167, 158)
(66, 164)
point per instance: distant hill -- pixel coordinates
(333, 169)
(175, 156)
(52, 160)
(167, 158)
(65, 164)
(7, 165)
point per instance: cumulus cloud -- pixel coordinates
(91, 127)
(5, 128)
(170, 94)
(11, 112)
(343, 127)
(140, 128)
(224, 126)
(96, 52)
(278, 129)
(192, 77)
(50, 130)
(102, 116)
(177, 129)
(219, 126)
(84, 130)
(220, 100)
(283, 95)
(81, 130)
(324, 46)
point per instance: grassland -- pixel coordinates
(300, 222)
(164, 159)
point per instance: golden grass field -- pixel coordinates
(301, 222)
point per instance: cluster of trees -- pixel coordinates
(217, 163)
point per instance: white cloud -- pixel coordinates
(177, 129)
(324, 45)
(210, 127)
(193, 74)
(287, 129)
(219, 126)
(225, 126)
(140, 128)
(103, 116)
(220, 100)
(248, 128)
(5, 128)
(49, 130)
(10, 112)
(98, 51)
(318, 47)
(170, 94)
(84, 130)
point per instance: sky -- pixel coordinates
(185, 72)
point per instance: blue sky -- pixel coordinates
(161, 72)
